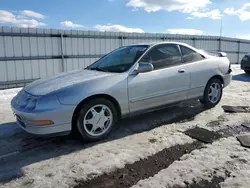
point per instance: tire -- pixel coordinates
(85, 116)
(202, 101)
(247, 72)
(210, 101)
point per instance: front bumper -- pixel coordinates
(54, 129)
(61, 117)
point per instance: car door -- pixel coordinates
(167, 83)
(199, 69)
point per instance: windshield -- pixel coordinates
(119, 60)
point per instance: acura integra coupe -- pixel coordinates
(129, 80)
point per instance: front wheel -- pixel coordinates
(96, 119)
(213, 93)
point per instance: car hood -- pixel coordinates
(63, 80)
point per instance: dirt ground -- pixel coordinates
(150, 150)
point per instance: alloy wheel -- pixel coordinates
(98, 120)
(214, 92)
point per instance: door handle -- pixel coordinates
(181, 70)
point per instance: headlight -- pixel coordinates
(25, 100)
(47, 102)
(31, 105)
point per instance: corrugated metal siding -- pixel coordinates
(232, 56)
(245, 47)
(229, 46)
(241, 56)
(73, 63)
(38, 53)
(207, 45)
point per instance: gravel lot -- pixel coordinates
(136, 148)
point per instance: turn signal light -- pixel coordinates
(43, 122)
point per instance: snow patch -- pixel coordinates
(7, 94)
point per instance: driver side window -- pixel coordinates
(163, 56)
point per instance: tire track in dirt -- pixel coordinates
(145, 168)
(132, 173)
(220, 164)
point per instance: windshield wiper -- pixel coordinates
(99, 69)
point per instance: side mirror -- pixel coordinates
(145, 67)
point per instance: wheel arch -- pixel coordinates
(108, 97)
(215, 76)
(204, 100)
(218, 77)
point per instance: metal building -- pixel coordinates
(27, 54)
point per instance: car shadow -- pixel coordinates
(242, 77)
(19, 149)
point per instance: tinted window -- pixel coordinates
(190, 55)
(245, 58)
(164, 56)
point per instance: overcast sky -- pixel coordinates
(161, 16)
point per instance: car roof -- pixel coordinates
(156, 43)
(151, 44)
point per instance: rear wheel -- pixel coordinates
(213, 93)
(247, 71)
(96, 119)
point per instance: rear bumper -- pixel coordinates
(227, 79)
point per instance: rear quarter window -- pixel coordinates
(189, 55)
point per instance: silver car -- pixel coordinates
(130, 80)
